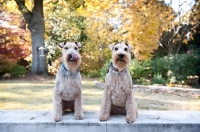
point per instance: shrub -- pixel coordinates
(173, 69)
(104, 70)
(6, 63)
(142, 81)
(162, 67)
(53, 69)
(17, 71)
(15, 43)
(140, 69)
(92, 74)
(184, 65)
(158, 79)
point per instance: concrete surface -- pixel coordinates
(148, 121)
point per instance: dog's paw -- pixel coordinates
(79, 117)
(130, 119)
(136, 114)
(56, 119)
(103, 119)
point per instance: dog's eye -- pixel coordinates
(125, 49)
(66, 48)
(116, 49)
(75, 48)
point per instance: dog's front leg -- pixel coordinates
(57, 105)
(79, 106)
(131, 109)
(105, 106)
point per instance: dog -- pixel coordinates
(67, 93)
(118, 95)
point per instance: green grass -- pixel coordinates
(32, 95)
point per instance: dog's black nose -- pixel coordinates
(121, 56)
(70, 56)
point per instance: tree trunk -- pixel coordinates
(39, 65)
(35, 21)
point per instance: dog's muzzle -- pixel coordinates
(73, 57)
(121, 56)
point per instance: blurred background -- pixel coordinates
(165, 35)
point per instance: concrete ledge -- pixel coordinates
(148, 121)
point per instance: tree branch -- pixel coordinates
(161, 45)
(24, 10)
(38, 6)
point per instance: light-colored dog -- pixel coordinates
(118, 96)
(67, 93)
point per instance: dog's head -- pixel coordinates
(70, 55)
(121, 54)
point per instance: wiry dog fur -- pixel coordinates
(118, 96)
(67, 93)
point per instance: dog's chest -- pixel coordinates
(71, 88)
(119, 91)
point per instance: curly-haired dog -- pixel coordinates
(118, 96)
(67, 93)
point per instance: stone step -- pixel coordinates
(147, 121)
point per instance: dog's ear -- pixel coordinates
(129, 46)
(62, 44)
(110, 46)
(78, 44)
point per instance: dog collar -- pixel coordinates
(69, 73)
(115, 69)
(63, 66)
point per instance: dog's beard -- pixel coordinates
(121, 63)
(72, 62)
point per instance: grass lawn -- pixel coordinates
(37, 95)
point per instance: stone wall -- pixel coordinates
(161, 89)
